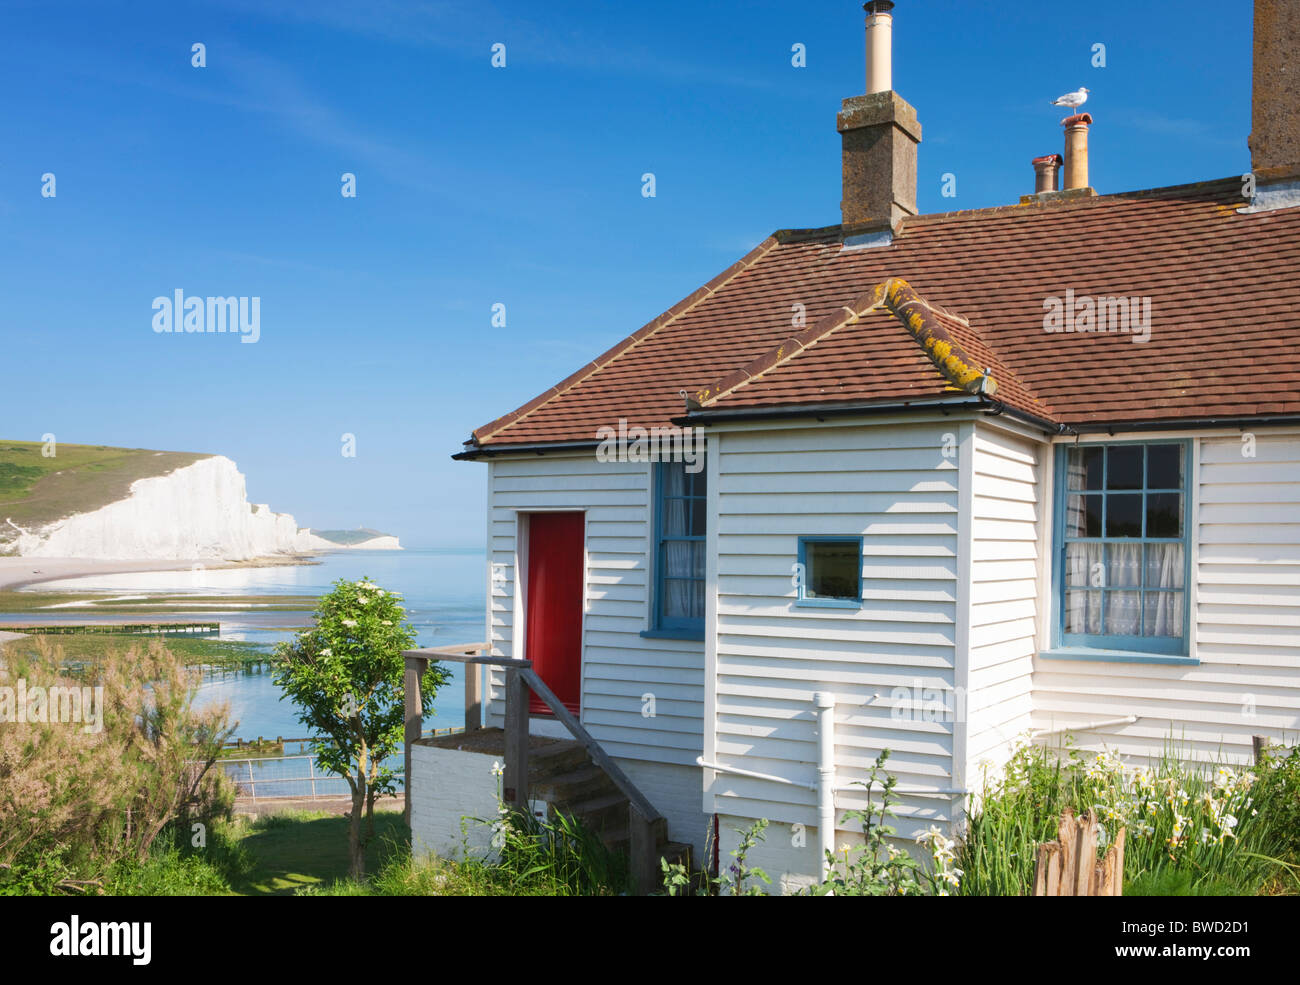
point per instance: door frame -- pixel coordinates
(548, 725)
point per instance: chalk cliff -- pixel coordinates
(199, 511)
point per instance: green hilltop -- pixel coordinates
(36, 490)
(346, 537)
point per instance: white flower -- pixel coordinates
(933, 835)
(497, 769)
(349, 623)
(387, 622)
(362, 599)
(326, 652)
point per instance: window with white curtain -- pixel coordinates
(681, 508)
(1123, 547)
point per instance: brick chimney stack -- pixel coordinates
(879, 133)
(1275, 99)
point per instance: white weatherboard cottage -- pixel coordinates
(923, 523)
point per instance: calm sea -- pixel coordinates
(443, 592)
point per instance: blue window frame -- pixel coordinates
(680, 523)
(1122, 552)
(831, 572)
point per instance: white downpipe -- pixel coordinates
(825, 704)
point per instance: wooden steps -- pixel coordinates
(563, 774)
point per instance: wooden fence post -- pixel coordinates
(1069, 866)
(515, 782)
(414, 720)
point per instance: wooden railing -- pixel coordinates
(520, 679)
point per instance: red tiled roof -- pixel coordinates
(1225, 309)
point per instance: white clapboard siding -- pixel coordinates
(1245, 621)
(619, 665)
(892, 485)
(1004, 605)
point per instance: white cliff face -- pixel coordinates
(197, 512)
(316, 543)
(385, 543)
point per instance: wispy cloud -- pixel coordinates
(470, 29)
(271, 87)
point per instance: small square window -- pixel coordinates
(831, 569)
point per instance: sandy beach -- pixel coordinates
(18, 572)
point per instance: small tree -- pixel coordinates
(346, 676)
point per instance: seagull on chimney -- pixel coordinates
(1072, 100)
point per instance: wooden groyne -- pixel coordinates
(124, 628)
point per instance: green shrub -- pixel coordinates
(1197, 827)
(879, 867)
(79, 799)
(1277, 798)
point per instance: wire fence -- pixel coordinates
(273, 777)
(298, 777)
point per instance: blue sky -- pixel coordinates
(479, 185)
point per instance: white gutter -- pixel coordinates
(824, 702)
(1087, 726)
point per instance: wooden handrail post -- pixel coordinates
(473, 697)
(515, 785)
(642, 854)
(414, 706)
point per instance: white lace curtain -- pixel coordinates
(683, 597)
(1120, 569)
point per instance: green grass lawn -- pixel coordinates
(297, 850)
(36, 489)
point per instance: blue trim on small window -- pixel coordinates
(661, 626)
(803, 599)
(1122, 649)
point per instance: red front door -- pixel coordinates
(556, 569)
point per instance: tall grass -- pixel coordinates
(1191, 829)
(533, 857)
(1017, 812)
